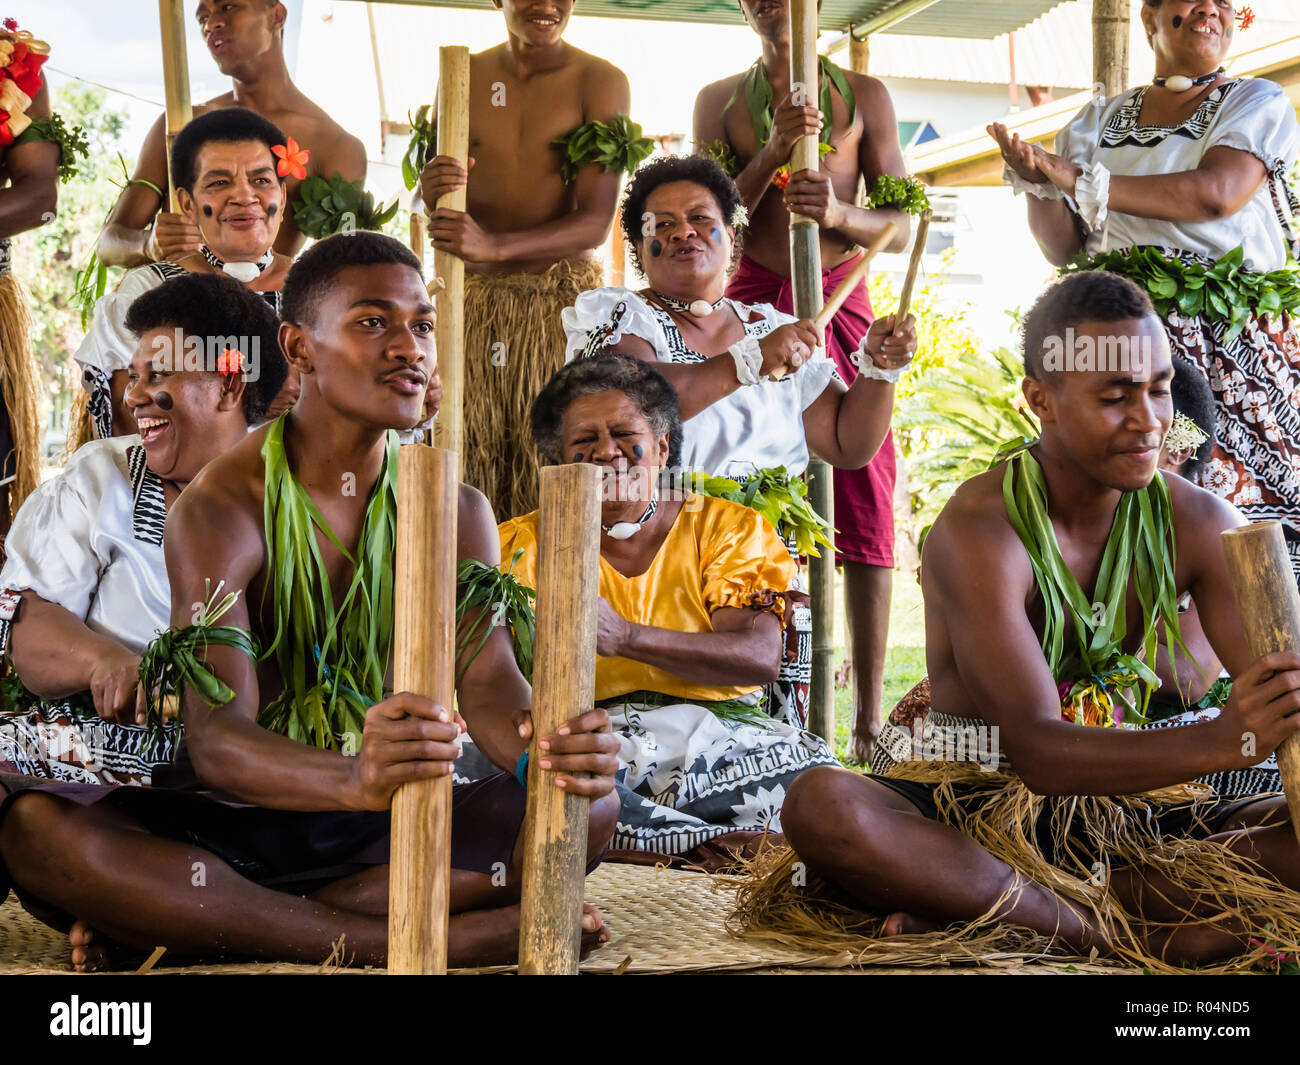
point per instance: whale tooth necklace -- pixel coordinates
(625, 530)
(695, 308)
(1181, 82)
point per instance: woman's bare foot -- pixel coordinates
(594, 932)
(904, 924)
(91, 953)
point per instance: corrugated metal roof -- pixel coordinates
(980, 19)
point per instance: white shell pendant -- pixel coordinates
(1178, 83)
(700, 309)
(244, 272)
(623, 530)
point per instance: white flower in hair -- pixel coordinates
(740, 216)
(1184, 435)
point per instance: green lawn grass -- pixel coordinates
(904, 660)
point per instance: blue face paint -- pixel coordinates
(637, 451)
(577, 456)
(717, 235)
(656, 248)
(272, 211)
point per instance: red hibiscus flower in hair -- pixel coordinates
(230, 362)
(293, 160)
(1245, 18)
(11, 24)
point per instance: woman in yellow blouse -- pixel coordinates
(692, 607)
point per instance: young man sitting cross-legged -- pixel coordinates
(1021, 659)
(298, 521)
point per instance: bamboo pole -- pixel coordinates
(564, 685)
(453, 140)
(176, 80)
(1110, 45)
(913, 268)
(424, 627)
(1269, 606)
(806, 280)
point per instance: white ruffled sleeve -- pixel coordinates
(108, 345)
(600, 317)
(1258, 117)
(50, 548)
(815, 374)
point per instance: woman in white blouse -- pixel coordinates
(682, 218)
(1164, 182)
(84, 587)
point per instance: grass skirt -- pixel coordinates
(514, 342)
(780, 902)
(19, 380)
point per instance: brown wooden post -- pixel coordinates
(424, 629)
(1110, 42)
(1269, 606)
(176, 81)
(859, 54)
(564, 685)
(806, 280)
(453, 140)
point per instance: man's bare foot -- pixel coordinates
(594, 933)
(861, 744)
(491, 937)
(92, 952)
(904, 924)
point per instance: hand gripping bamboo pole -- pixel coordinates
(424, 627)
(176, 80)
(806, 280)
(453, 140)
(564, 685)
(1270, 616)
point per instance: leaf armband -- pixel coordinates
(421, 146)
(501, 599)
(618, 146)
(333, 205)
(903, 194)
(73, 145)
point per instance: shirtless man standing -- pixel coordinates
(282, 884)
(529, 237)
(882, 837)
(864, 136)
(245, 39)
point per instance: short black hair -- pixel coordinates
(700, 169)
(227, 125)
(222, 313)
(1085, 296)
(1193, 397)
(609, 372)
(314, 271)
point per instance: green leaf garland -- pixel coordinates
(421, 146)
(72, 143)
(618, 146)
(779, 497)
(333, 205)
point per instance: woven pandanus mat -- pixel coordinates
(661, 921)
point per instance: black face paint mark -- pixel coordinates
(656, 248)
(577, 456)
(716, 234)
(637, 451)
(164, 400)
(207, 210)
(272, 211)
(1178, 21)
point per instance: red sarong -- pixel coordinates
(864, 499)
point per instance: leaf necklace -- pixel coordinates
(333, 660)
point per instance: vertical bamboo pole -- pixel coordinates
(806, 279)
(453, 140)
(564, 685)
(176, 80)
(1269, 606)
(424, 626)
(1110, 44)
(860, 54)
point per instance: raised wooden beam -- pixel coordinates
(564, 685)
(859, 54)
(1110, 41)
(176, 80)
(1269, 607)
(424, 633)
(806, 280)
(453, 140)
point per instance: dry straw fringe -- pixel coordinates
(81, 426)
(19, 380)
(521, 314)
(998, 812)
